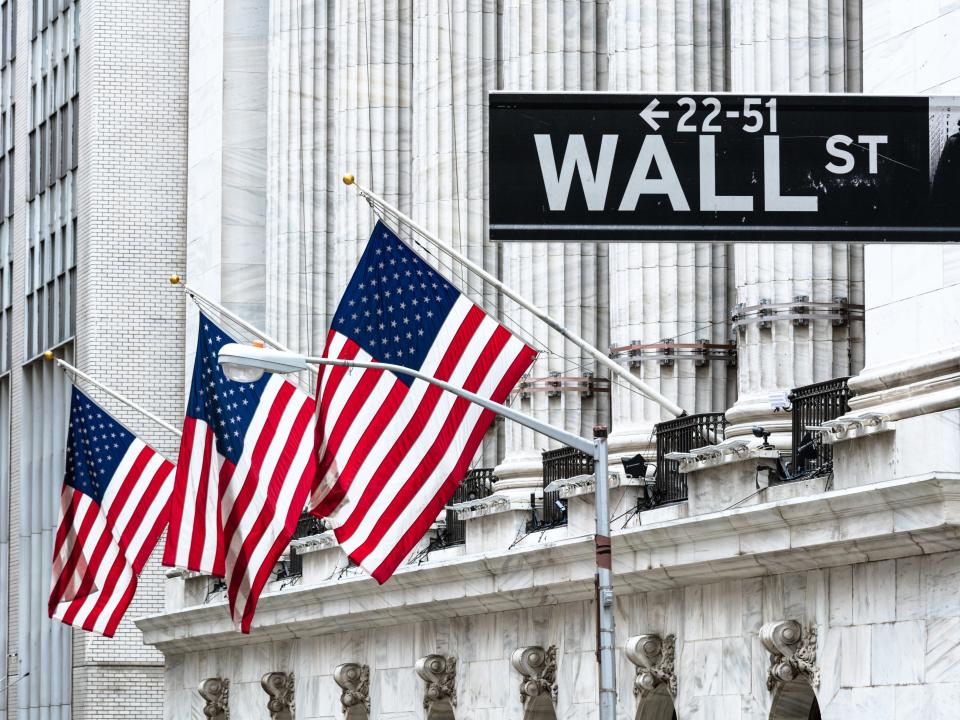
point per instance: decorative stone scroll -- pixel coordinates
(355, 681)
(793, 653)
(440, 674)
(279, 687)
(539, 670)
(654, 657)
(216, 694)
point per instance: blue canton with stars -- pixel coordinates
(227, 407)
(395, 303)
(96, 443)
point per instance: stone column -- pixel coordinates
(301, 175)
(339, 101)
(554, 46)
(667, 293)
(811, 46)
(454, 69)
(370, 86)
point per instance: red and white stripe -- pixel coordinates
(244, 515)
(392, 455)
(194, 541)
(100, 549)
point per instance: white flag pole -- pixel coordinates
(196, 294)
(70, 369)
(614, 367)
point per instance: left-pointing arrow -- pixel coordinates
(650, 114)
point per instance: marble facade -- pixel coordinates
(735, 604)
(887, 645)
(840, 588)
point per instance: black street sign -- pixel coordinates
(604, 166)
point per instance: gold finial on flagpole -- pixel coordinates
(48, 355)
(174, 279)
(348, 179)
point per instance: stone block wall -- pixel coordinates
(888, 647)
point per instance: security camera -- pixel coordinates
(761, 432)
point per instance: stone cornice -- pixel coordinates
(314, 543)
(890, 519)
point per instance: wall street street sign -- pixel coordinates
(605, 166)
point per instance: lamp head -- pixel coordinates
(247, 363)
(635, 467)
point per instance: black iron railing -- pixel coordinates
(814, 405)
(307, 525)
(476, 485)
(682, 435)
(558, 464)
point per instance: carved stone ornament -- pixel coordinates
(654, 657)
(793, 653)
(355, 681)
(216, 694)
(440, 674)
(539, 670)
(279, 686)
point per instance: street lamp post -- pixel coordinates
(247, 363)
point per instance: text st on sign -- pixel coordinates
(602, 166)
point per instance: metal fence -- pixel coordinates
(476, 485)
(814, 405)
(307, 525)
(558, 464)
(682, 435)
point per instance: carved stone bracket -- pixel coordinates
(654, 657)
(793, 653)
(216, 694)
(539, 670)
(440, 674)
(279, 687)
(355, 681)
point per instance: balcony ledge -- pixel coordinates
(314, 543)
(896, 518)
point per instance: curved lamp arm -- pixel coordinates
(247, 363)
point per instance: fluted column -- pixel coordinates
(299, 171)
(339, 101)
(371, 120)
(811, 46)
(455, 67)
(554, 46)
(667, 291)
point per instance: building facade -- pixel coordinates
(829, 596)
(209, 138)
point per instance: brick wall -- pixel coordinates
(132, 198)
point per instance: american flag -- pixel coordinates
(113, 509)
(394, 449)
(244, 473)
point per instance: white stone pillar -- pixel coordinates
(668, 291)
(227, 157)
(370, 82)
(454, 69)
(810, 46)
(299, 173)
(554, 46)
(339, 101)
